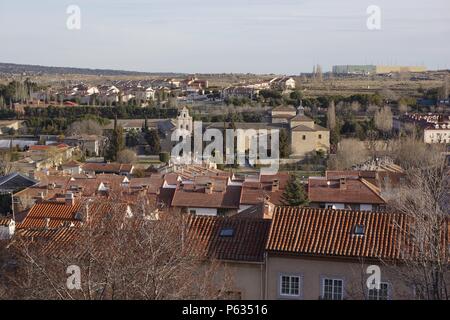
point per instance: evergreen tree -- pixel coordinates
(284, 144)
(294, 193)
(116, 143)
(153, 141)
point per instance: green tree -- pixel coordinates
(294, 193)
(116, 143)
(284, 144)
(153, 141)
(164, 157)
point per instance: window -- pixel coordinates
(304, 137)
(333, 289)
(382, 294)
(290, 285)
(227, 232)
(320, 136)
(359, 230)
(193, 212)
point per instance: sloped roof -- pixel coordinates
(323, 232)
(356, 191)
(228, 199)
(247, 242)
(284, 109)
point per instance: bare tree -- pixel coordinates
(411, 153)
(5, 163)
(350, 152)
(89, 127)
(403, 108)
(383, 119)
(120, 256)
(126, 156)
(424, 199)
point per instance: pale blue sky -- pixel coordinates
(257, 36)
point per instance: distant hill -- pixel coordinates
(12, 68)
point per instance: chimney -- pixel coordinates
(69, 199)
(41, 196)
(343, 184)
(275, 185)
(47, 223)
(209, 188)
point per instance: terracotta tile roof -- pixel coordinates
(302, 118)
(284, 108)
(108, 167)
(4, 222)
(57, 214)
(245, 242)
(254, 192)
(355, 191)
(228, 199)
(55, 239)
(72, 164)
(323, 232)
(391, 176)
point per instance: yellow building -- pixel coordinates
(392, 69)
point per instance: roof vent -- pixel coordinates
(343, 183)
(78, 216)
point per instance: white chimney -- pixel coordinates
(209, 188)
(70, 199)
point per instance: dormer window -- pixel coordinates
(227, 232)
(359, 230)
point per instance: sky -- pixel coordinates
(232, 36)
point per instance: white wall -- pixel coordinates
(204, 211)
(335, 205)
(365, 207)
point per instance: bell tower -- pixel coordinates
(184, 121)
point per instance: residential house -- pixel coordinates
(238, 245)
(207, 196)
(324, 254)
(90, 145)
(344, 191)
(283, 83)
(72, 167)
(14, 182)
(437, 133)
(7, 126)
(92, 168)
(43, 157)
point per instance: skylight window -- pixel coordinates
(226, 232)
(359, 230)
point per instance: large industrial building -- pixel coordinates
(373, 69)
